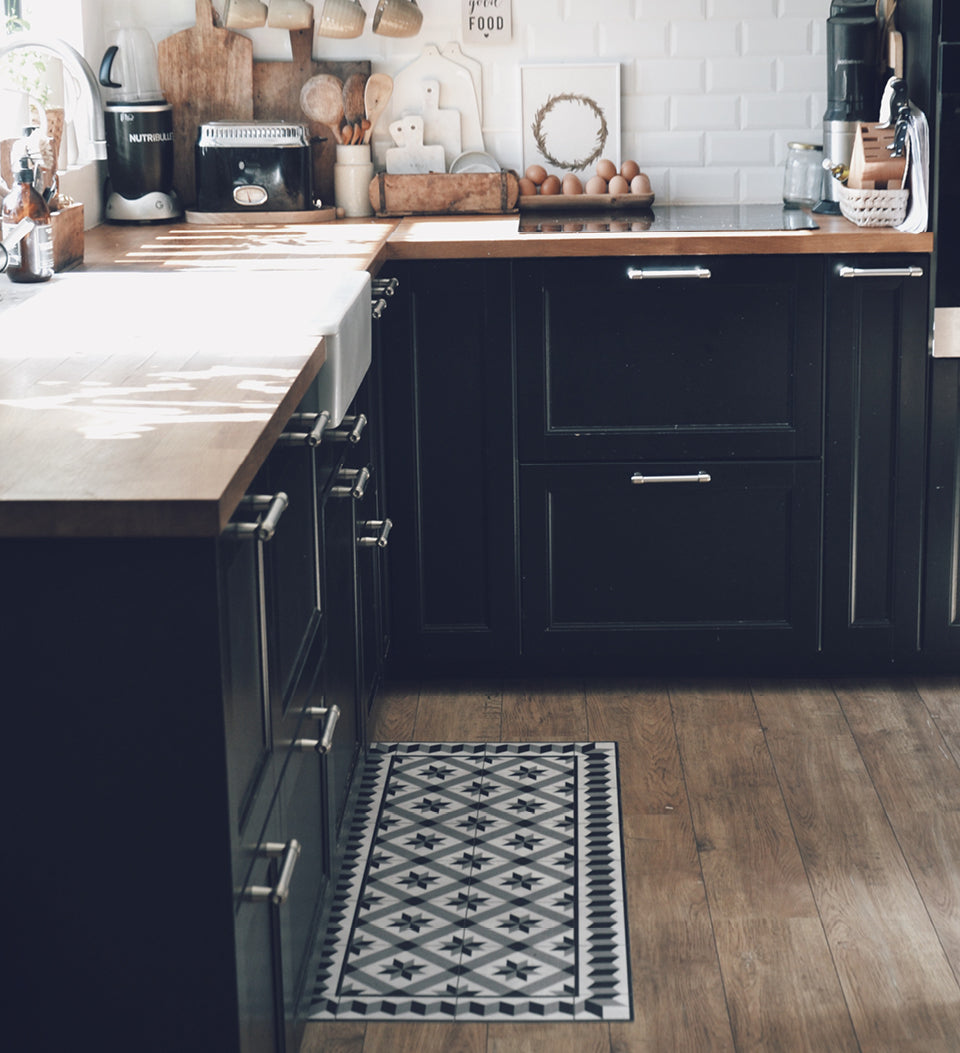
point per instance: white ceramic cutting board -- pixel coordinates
(456, 92)
(410, 156)
(440, 127)
(452, 51)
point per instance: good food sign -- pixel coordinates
(487, 21)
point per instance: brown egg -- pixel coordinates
(629, 169)
(571, 184)
(551, 185)
(606, 169)
(618, 185)
(536, 174)
(527, 187)
(596, 185)
(640, 184)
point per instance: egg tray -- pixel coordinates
(580, 202)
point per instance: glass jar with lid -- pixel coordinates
(803, 175)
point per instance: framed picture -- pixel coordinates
(571, 115)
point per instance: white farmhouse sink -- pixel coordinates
(342, 313)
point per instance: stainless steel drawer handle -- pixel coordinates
(351, 429)
(700, 477)
(353, 483)
(385, 286)
(880, 272)
(265, 526)
(639, 273)
(377, 307)
(315, 425)
(377, 531)
(290, 853)
(329, 715)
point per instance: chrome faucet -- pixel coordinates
(78, 65)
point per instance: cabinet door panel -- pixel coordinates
(659, 569)
(614, 368)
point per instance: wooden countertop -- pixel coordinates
(140, 393)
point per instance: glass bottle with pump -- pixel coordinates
(31, 258)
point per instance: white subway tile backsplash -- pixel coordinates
(704, 39)
(711, 90)
(673, 76)
(741, 74)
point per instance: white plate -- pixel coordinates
(474, 161)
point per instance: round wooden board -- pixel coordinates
(576, 202)
(313, 215)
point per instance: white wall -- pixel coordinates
(712, 90)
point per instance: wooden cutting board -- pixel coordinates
(207, 75)
(276, 97)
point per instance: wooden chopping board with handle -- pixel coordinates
(276, 97)
(206, 74)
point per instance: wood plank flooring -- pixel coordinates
(792, 859)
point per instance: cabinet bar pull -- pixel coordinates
(265, 526)
(385, 286)
(354, 483)
(329, 727)
(379, 539)
(290, 853)
(700, 477)
(377, 307)
(638, 273)
(316, 423)
(880, 272)
(350, 430)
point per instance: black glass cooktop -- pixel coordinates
(666, 218)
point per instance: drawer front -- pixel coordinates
(692, 561)
(613, 366)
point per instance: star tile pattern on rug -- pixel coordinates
(481, 881)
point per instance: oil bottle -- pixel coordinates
(31, 259)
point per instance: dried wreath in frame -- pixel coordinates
(571, 115)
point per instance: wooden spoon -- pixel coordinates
(321, 99)
(353, 101)
(376, 95)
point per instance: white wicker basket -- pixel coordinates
(874, 208)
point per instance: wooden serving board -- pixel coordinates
(276, 97)
(206, 74)
(437, 193)
(252, 219)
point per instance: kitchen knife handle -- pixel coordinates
(701, 477)
(638, 273)
(880, 272)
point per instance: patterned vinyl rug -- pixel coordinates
(482, 881)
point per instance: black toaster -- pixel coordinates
(247, 166)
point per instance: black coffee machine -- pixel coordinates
(139, 132)
(853, 84)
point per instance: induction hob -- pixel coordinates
(665, 218)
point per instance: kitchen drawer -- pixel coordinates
(670, 568)
(671, 365)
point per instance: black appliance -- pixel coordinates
(139, 133)
(245, 166)
(931, 34)
(853, 89)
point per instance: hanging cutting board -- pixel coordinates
(440, 127)
(456, 92)
(206, 74)
(410, 156)
(276, 97)
(452, 52)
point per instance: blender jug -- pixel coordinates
(139, 132)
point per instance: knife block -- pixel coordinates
(872, 166)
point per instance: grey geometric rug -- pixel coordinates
(483, 881)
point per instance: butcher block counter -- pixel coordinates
(140, 392)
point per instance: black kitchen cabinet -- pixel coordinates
(173, 875)
(941, 615)
(874, 468)
(450, 462)
(527, 395)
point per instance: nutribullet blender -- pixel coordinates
(139, 132)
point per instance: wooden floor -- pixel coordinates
(792, 858)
